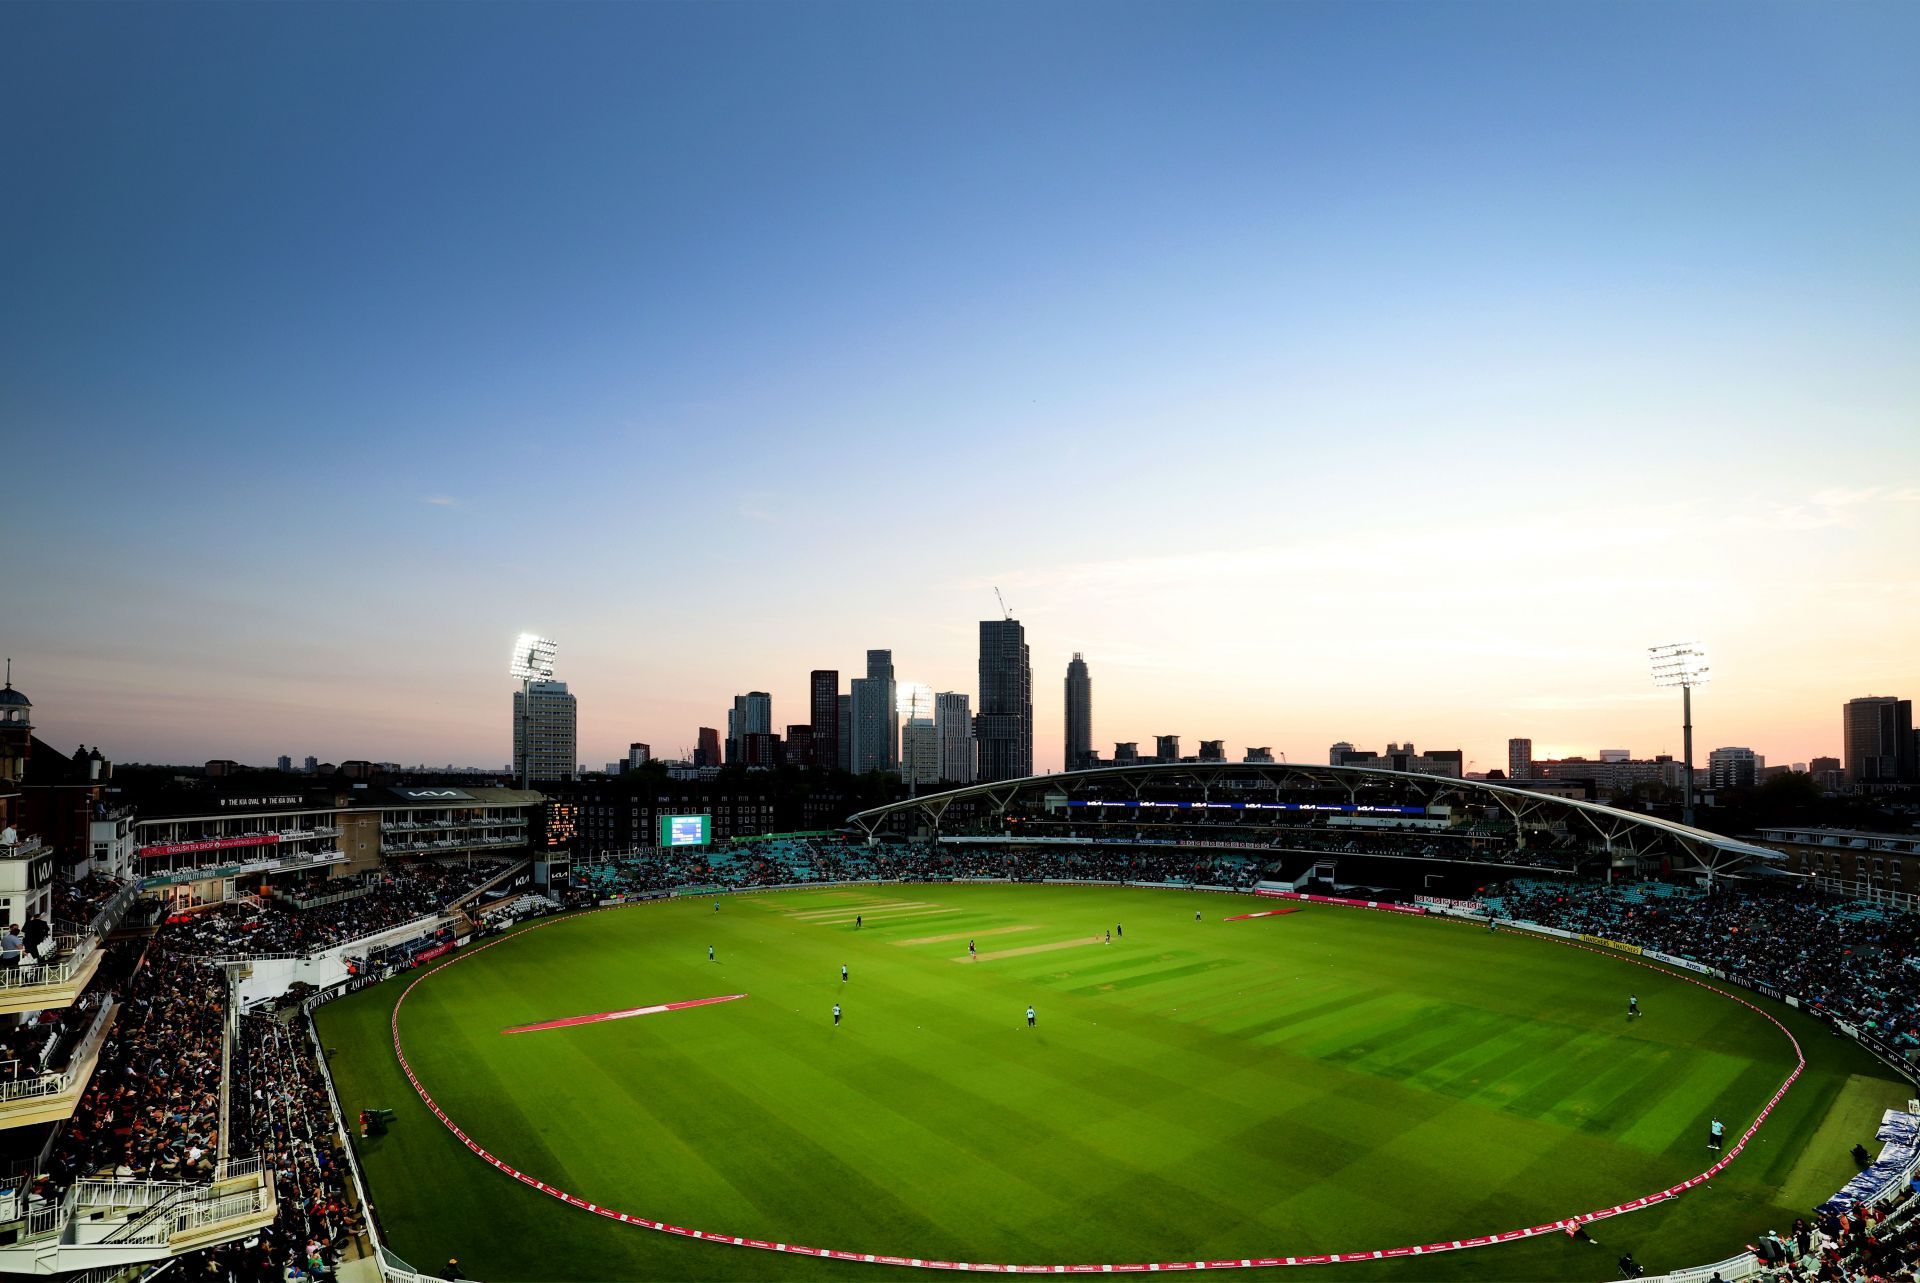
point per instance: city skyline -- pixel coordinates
(1476, 757)
(1318, 377)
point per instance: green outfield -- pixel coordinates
(1328, 1080)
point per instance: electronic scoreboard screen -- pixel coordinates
(685, 830)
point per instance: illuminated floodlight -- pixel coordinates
(1679, 664)
(1682, 664)
(532, 657)
(913, 700)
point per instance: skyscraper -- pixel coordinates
(1166, 748)
(823, 707)
(876, 719)
(919, 744)
(1877, 732)
(545, 735)
(284, 762)
(752, 714)
(708, 751)
(1079, 714)
(1004, 727)
(953, 728)
(1519, 759)
(844, 707)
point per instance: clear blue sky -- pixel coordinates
(340, 342)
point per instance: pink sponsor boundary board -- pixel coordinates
(1246, 1262)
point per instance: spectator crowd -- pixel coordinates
(281, 1110)
(1841, 959)
(788, 861)
(373, 902)
(152, 1107)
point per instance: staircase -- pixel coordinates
(111, 1224)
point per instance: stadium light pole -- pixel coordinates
(1682, 664)
(532, 658)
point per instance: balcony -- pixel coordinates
(104, 1224)
(453, 845)
(280, 862)
(26, 848)
(47, 1097)
(410, 826)
(54, 984)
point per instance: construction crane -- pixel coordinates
(1004, 609)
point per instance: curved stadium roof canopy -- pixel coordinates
(1246, 793)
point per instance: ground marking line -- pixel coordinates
(1549, 1227)
(567, 1022)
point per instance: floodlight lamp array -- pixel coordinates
(1679, 664)
(532, 657)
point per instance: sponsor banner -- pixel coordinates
(1332, 808)
(210, 844)
(1351, 904)
(1685, 964)
(1460, 906)
(1889, 1053)
(1539, 930)
(438, 951)
(1605, 943)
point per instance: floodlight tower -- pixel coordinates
(532, 659)
(1682, 664)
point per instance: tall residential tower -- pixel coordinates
(1877, 739)
(953, 728)
(1004, 727)
(823, 704)
(1079, 714)
(545, 732)
(876, 719)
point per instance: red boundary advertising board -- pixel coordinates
(1559, 1226)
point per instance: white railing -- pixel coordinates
(76, 950)
(321, 901)
(230, 1168)
(26, 848)
(1734, 1268)
(43, 1222)
(130, 1195)
(186, 1212)
(222, 1207)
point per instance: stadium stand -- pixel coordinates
(281, 1108)
(153, 1107)
(363, 907)
(1839, 963)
